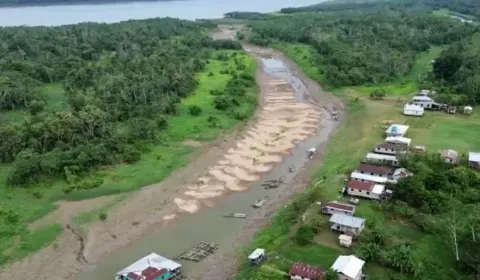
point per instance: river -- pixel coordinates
(115, 12)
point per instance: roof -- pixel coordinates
(380, 156)
(421, 98)
(349, 266)
(424, 91)
(367, 177)
(397, 128)
(306, 271)
(364, 186)
(376, 169)
(378, 189)
(412, 107)
(257, 253)
(401, 172)
(347, 220)
(473, 156)
(398, 139)
(345, 237)
(152, 260)
(452, 154)
(149, 270)
(339, 205)
(468, 108)
(156, 274)
(134, 276)
(391, 146)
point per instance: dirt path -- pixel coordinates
(230, 164)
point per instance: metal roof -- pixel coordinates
(376, 169)
(380, 156)
(398, 128)
(475, 157)
(349, 266)
(398, 139)
(421, 98)
(378, 189)
(347, 220)
(371, 178)
(306, 271)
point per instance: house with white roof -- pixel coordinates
(357, 176)
(382, 159)
(413, 110)
(343, 224)
(152, 266)
(397, 130)
(398, 140)
(349, 267)
(474, 160)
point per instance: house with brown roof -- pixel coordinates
(368, 190)
(333, 207)
(390, 149)
(450, 156)
(301, 271)
(374, 170)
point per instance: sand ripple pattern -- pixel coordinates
(282, 123)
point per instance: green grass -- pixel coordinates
(154, 166)
(362, 130)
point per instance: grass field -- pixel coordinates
(362, 130)
(29, 204)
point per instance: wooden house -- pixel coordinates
(425, 102)
(367, 189)
(333, 207)
(450, 156)
(390, 149)
(382, 159)
(368, 178)
(346, 224)
(413, 110)
(398, 140)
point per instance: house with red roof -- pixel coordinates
(366, 189)
(374, 170)
(151, 267)
(301, 271)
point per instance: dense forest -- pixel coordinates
(362, 47)
(456, 73)
(122, 81)
(448, 209)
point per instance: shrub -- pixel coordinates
(102, 216)
(304, 235)
(194, 110)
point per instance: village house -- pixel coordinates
(474, 160)
(333, 207)
(398, 140)
(345, 224)
(424, 92)
(450, 156)
(390, 149)
(397, 130)
(413, 110)
(368, 190)
(349, 268)
(301, 271)
(381, 159)
(368, 178)
(377, 170)
(425, 102)
(151, 267)
(399, 173)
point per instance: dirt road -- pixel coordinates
(294, 110)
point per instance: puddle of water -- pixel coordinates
(208, 224)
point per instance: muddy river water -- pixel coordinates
(208, 224)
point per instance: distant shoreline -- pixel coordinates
(46, 3)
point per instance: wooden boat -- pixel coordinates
(236, 215)
(259, 203)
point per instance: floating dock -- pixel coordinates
(199, 252)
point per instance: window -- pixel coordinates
(359, 190)
(351, 190)
(368, 193)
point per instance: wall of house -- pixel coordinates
(332, 211)
(382, 161)
(385, 151)
(373, 174)
(424, 104)
(345, 229)
(363, 193)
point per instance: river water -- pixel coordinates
(115, 12)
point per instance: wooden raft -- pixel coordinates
(199, 252)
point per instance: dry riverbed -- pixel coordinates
(231, 164)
